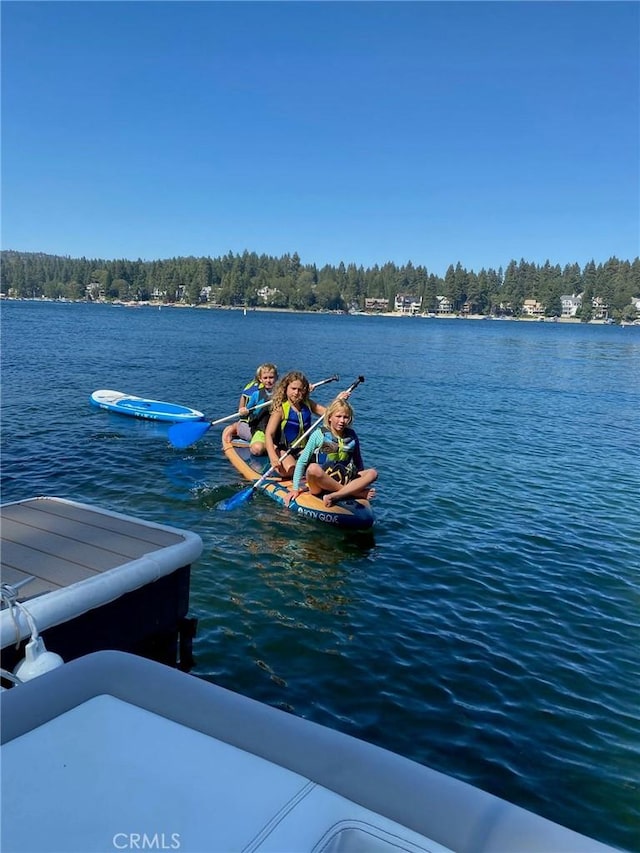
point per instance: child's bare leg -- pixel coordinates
(258, 443)
(356, 488)
(319, 481)
(243, 431)
(286, 467)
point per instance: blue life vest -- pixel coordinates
(335, 449)
(255, 393)
(293, 423)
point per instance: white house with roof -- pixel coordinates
(407, 303)
(571, 304)
(600, 308)
(445, 305)
(266, 293)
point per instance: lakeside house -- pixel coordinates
(600, 308)
(533, 308)
(445, 306)
(267, 293)
(376, 304)
(407, 303)
(570, 304)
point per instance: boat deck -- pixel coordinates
(210, 770)
(48, 544)
(68, 561)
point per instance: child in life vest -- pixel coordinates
(332, 462)
(258, 392)
(291, 416)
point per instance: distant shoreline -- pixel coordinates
(266, 309)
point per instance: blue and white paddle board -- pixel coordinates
(138, 407)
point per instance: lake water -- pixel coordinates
(487, 627)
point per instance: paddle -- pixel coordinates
(242, 497)
(315, 385)
(184, 434)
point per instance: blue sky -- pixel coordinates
(365, 132)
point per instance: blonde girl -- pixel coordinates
(331, 460)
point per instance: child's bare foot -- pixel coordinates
(371, 494)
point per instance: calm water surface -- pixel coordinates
(488, 627)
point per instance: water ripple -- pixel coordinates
(487, 626)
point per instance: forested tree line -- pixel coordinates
(237, 280)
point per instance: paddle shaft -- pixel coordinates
(187, 433)
(313, 387)
(237, 414)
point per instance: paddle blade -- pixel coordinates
(182, 435)
(236, 500)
